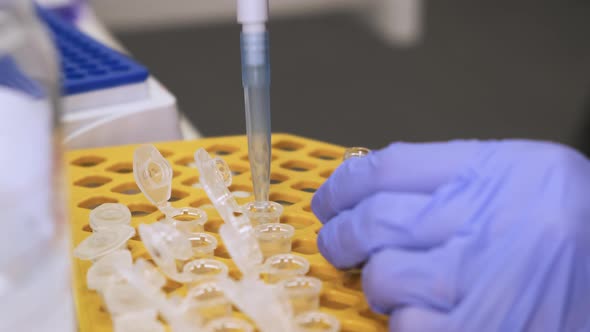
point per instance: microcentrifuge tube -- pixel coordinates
(270, 310)
(208, 301)
(263, 212)
(105, 270)
(283, 266)
(203, 245)
(153, 175)
(303, 292)
(121, 298)
(103, 242)
(203, 270)
(274, 238)
(108, 214)
(355, 152)
(237, 231)
(316, 321)
(149, 273)
(229, 324)
(166, 245)
(188, 219)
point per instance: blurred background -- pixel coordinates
(371, 72)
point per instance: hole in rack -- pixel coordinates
(121, 168)
(324, 271)
(236, 275)
(175, 173)
(241, 191)
(297, 166)
(287, 145)
(94, 202)
(352, 279)
(324, 154)
(141, 210)
(97, 72)
(203, 203)
(187, 162)
(222, 252)
(368, 313)
(306, 186)
(165, 153)
(87, 228)
(237, 169)
(307, 208)
(213, 225)
(240, 187)
(326, 174)
(127, 189)
(177, 195)
(283, 199)
(355, 325)
(276, 178)
(171, 286)
(120, 68)
(92, 181)
(337, 300)
(192, 182)
(296, 221)
(222, 150)
(305, 247)
(272, 157)
(88, 161)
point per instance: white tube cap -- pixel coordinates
(252, 11)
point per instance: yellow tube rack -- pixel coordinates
(298, 168)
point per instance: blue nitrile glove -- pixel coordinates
(465, 235)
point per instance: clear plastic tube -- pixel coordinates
(316, 321)
(263, 212)
(229, 324)
(204, 270)
(274, 238)
(203, 245)
(208, 301)
(355, 152)
(303, 293)
(283, 266)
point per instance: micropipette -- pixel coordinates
(252, 14)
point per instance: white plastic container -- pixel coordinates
(35, 292)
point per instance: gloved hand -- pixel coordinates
(465, 235)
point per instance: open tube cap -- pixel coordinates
(153, 175)
(104, 270)
(104, 242)
(108, 214)
(237, 232)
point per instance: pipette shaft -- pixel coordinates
(256, 81)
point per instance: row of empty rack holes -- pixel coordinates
(224, 150)
(131, 188)
(127, 168)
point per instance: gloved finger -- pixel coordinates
(418, 319)
(407, 167)
(382, 220)
(395, 278)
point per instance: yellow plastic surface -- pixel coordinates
(299, 166)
